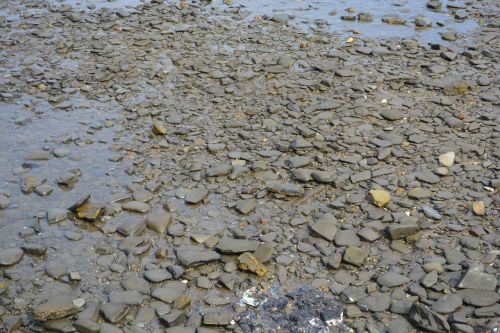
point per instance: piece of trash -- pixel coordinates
(248, 297)
(306, 310)
(253, 297)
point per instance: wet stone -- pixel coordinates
(191, 256)
(114, 312)
(55, 269)
(55, 307)
(157, 275)
(142, 196)
(235, 246)
(196, 195)
(478, 297)
(347, 238)
(392, 114)
(391, 279)
(476, 278)
(248, 262)
(132, 227)
(4, 201)
(129, 297)
(286, 189)
(393, 19)
(10, 256)
(34, 248)
(136, 206)
(375, 303)
(218, 318)
(89, 211)
(326, 227)
(85, 325)
(447, 304)
(246, 206)
(108, 328)
(402, 230)
(158, 221)
(55, 215)
(264, 252)
(355, 255)
(419, 193)
(422, 317)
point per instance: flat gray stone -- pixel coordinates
(326, 227)
(246, 206)
(391, 279)
(55, 307)
(447, 304)
(218, 318)
(375, 303)
(169, 291)
(476, 278)
(196, 195)
(159, 221)
(136, 206)
(191, 256)
(10, 256)
(236, 246)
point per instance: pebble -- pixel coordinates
(447, 159)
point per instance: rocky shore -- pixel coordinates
(185, 167)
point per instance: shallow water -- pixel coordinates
(327, 15)
(330, 12)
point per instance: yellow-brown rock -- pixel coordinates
(248, 262)
(380, 197)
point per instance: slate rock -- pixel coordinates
(236, 246)
(246, 206)
(218, 318)
(196, 195)
(355, 255)
(391, 114)
(375, 303)
(402, 230)
(428, 320)
(448, 303)
(169, 291)
(136, 206)
(391, 279)
(478, 297)
(326, 227)
(347, 238)
(476, 278)
(191, 256)
(159, 221)
(114, 312)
